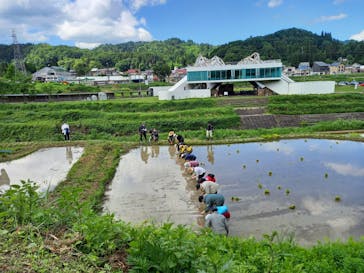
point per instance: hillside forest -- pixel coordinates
(292, 46)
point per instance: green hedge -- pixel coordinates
(316, 104)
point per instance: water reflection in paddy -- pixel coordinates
(47, 167)
(313, 171)
(149, 185)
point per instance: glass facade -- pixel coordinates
(240, 74)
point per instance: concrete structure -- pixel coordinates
(206, 77)
(53, 74)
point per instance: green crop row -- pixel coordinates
(150, 105)
(316, 104)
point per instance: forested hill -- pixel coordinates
(291, 46)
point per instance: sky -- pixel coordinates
(89, 23)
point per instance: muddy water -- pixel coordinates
(47, 167)
(306, 173)
(149, 185)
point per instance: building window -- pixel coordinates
(223, 74)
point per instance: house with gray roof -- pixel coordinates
(320, 68)
(53, 74)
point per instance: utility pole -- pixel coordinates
(18, 59)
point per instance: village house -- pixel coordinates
(320, 68)
(336, 68)
(303, 69)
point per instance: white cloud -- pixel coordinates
(138, 4)
(332, 17)
(274, 3)
(87, 45)
(86, 23)
(346, 169)
(278, 147)
(358, 37)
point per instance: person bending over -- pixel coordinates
(212, 200)
(217, 222)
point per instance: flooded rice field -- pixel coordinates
(149, 185)
(47, 167)
(311, 189)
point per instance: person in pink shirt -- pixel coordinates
(193, 163)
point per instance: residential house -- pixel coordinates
(177, 74)
(111, 71)
(289, 70)
(336, 68)
(320, 68)
(303, 69)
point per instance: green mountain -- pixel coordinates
(292, 46)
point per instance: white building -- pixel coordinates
(53, 74)
(207, 75)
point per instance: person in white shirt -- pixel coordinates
(207, 187)
(66, 131)
(197, 172)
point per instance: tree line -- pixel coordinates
(292, 46)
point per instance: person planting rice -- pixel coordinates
(212, 200)
(197, 172)
(217, 222)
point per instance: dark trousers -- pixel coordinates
(143, 134)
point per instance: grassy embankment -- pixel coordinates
(64, 231)
(118, 120)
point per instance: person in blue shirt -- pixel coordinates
(212, 200)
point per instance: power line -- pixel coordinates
(18, 58)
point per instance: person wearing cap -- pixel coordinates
(223, 210)
(212, 200)
(217, 222)
(210, 177)
(171, 137)
(197, 172)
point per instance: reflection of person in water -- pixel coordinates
(69, 155)
(172, 151)
(210, 154)
(144, 154)
(155, 150)
(4, 178)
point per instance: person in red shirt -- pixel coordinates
(210, 177)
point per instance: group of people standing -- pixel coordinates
(216, 213)
(154, 135)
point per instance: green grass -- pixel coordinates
(316, 104)
(65, 232)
